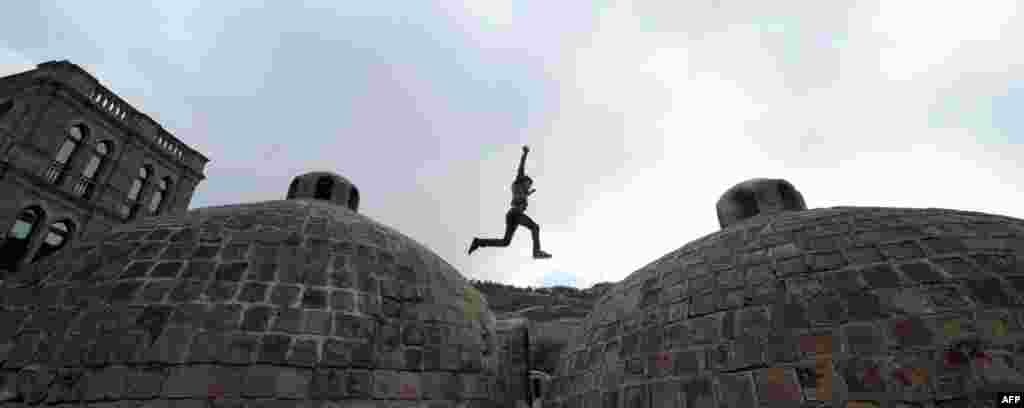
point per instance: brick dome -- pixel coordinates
(832, 305)
(278, 302)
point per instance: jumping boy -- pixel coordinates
(516, 216)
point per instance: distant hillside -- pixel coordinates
(541, 304)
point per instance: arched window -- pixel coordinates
(87, 184)
(158, 196)
(55, 239)
(141, 180)
(74, 138)
(17, 239)
(138, 184)
(6, 107)
(324, 185)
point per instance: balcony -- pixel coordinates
(110, 103)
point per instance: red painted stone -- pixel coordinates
(215, 391)
(955, 358)
(984, 359)
(407, 392)
(807, 344)
(904, 375)
(902, 328)
(664, 360)
(783, 392)
(872, 376)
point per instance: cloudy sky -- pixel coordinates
(640, 114)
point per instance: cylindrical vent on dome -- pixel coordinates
(755, 197)
(325, 186)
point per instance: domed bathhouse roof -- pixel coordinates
(276, 302)
(824, 307)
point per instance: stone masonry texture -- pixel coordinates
(297, 303)
(306, 303)
(839, 307)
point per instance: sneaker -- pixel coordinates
(541, 255)
(474, 245)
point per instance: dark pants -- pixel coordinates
(513, 219)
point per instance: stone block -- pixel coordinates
(336, 353)
(901, 251)
(155, 291)
(314, 298)
(257, 318)
(385, 384)
(232, 272)
(262, 272)
(991, 292)
(223, 317)
(289, 320)
(863, 306)
(955, 266)
(826, 310)
(189, 381)
(354, 327)
(327, 384)
(220, 291)
(284, 295)
(253, 292)
(359, 384)
(317, 322)
(304, 352)
(205, 252)
(199, 270)
(881, 276)
(274, 348)
(292, 382)
(260, 381)
(921, 272)
(389, 359)
(737, 390)
(187, 291)
(241, 349)
(343, 300)
(364, 355)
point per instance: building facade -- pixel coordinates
(75, 159)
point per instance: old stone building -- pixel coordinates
(789, 307)
(75, 160)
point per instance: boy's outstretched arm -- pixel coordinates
(522, 162)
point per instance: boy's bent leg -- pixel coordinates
(528, 222)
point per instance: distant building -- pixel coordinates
(75, 159)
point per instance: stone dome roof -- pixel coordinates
(289, 300)
(835, 304)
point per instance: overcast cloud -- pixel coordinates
(639, 113)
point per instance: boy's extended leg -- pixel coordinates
(510, 229)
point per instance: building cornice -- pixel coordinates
(135, 137)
